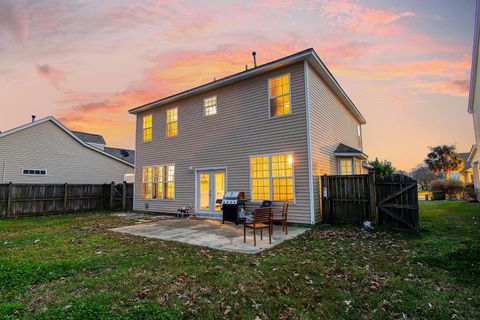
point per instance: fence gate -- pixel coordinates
(397, 201)
(390, 201)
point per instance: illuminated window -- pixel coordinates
(170, 182)
(359, 135)
(272, 177)
(282, 177)
(260, 178)
(172, 122)
(210, 106)
(156, 180)
(147, 128)
(279, 95)
(346, 166)
(358, 166)
(147, 183)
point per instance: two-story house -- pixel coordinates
(474, 102)
(270, 131)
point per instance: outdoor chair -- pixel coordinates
(261, 219)
(281, 217)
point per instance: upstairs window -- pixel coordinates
(158, 182)
(279, 96)
(210, 106)
(346, 167)
(359, 134)
(147, 128)
(172, 122)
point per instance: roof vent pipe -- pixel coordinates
(33, 118)
(254, 54)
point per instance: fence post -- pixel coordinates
(112, 187)
(324, 198)
(124, 196)
(9, 199)
(65, 197)
(373, 197)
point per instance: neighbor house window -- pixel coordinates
(210, 106)
(172, 122)
(346, 166)
(147, 128)
(34, 172)
(158, 182)
(279, 96)
(272, 177)
(359, 135)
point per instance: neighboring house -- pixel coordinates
(45, 151)
(466, 173)
(271, 132)
(474, 102)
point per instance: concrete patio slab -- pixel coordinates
(210, 233)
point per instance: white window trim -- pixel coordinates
(216, 106)
(163, 182)
(143, 128)
(269, 155)
(289, 94)
(166, 123)
(36, 175)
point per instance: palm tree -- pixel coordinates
(443, 159)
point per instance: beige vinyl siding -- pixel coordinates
(241, 128)
(46, 146)
(331, 123)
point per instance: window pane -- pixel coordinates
(260, 175)
(170, 184)
(345, 166)
(172, 122)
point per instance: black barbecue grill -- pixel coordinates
(231, 202)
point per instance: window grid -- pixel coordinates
(34, 172)
(260, 175)
(172, 122)
(272, 177)
(147, 128)
(282, 177)
(156, 180)
(279, 92)
(170, 183)
(210, 106)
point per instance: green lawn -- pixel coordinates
(72, 267)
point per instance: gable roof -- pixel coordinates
(117, 152)
(344, 150)
(309, 55)
(67, 131)
(473, 73)
(466, 164)
(90, 137)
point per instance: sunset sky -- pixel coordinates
(405, 64)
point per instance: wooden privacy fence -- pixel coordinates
(38, 199)
(390, 201)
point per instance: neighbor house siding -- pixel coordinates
(331, 123)
(46, 146)
(241, 128)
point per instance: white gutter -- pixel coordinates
(309, 145)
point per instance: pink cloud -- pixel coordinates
(449, 87)
(52, 75)
(14, 21)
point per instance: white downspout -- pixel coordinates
(4, 171)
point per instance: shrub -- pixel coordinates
(454, 188)
(469, 192)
